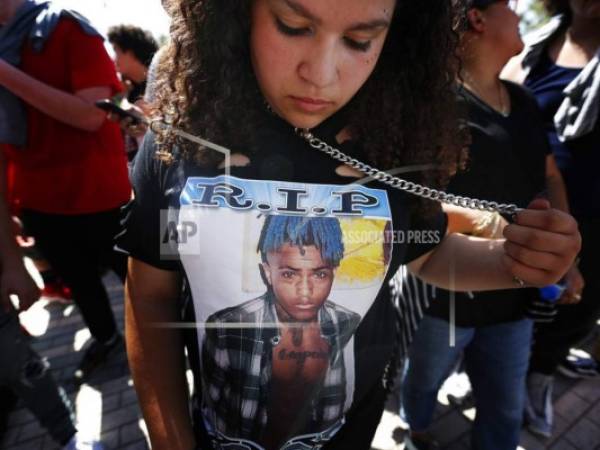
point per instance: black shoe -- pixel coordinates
(95, 355)
(418, 443)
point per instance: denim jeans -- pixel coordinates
(496, 359)
(23, 371)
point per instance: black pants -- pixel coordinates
(573, 323)
(78, 248)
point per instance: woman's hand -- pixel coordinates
(134, 128)
(574, 286)
(22, 240)
(541, 245)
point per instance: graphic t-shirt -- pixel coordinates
(286, 265)
(507, 164)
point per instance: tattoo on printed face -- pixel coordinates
(301, 357)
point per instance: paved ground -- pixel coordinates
(107, 406)
(577, 420)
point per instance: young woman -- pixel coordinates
(372, 78)
(561, 66)
(509, 159)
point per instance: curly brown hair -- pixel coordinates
(207, 86)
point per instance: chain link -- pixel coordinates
(404, 185)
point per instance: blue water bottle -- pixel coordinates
(552, 293)
(543, 308)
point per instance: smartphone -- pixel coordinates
(109, 106)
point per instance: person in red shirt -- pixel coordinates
(24, 375)
(70, 177)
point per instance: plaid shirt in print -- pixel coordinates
(236, 367)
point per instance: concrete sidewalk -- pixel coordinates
(577, 419)
(107, 406)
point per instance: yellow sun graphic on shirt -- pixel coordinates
(364, 258)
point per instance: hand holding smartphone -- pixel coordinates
(110, 107)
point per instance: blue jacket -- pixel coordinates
(34, 22)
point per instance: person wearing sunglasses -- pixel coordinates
(509, 157)
(561, 67)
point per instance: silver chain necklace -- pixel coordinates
(379, 175)
(404, 185)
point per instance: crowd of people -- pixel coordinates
(242, 178)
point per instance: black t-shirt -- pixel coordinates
(331, 243)
(507, 164)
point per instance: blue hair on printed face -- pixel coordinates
(324, 233)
